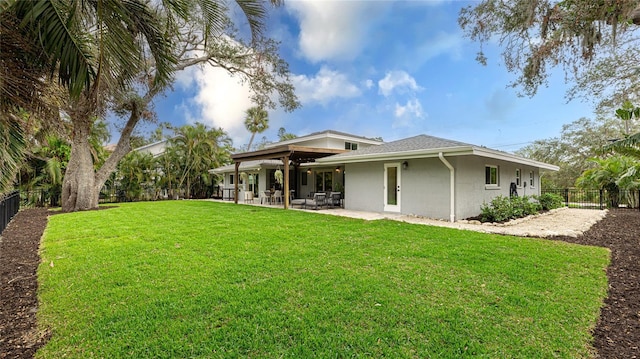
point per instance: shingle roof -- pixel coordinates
(420, 142)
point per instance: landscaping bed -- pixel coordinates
(616, 335)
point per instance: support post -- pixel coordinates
(236, 184)
(285, 160)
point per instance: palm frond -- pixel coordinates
(255, 13)
(52, 24)
(629, 146)
(12, 146)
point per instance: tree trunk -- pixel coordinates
(78, 192)
(82, 184)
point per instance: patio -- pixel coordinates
(570, 222)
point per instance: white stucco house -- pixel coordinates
(421, 175)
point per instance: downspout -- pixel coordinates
(452, 187)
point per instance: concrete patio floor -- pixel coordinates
(559, 222)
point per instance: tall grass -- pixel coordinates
(186, 279)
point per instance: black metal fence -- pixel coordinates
(597, 199)
(9, 206)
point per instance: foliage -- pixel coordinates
(630, 144)
(202, 279)
(137, 175)
(590, 40)
(283, 135)
(12, 144)
(607, 175)
(256, 121)
(578, 141)
(120, 55)
(192, 152)
(549, 201)
(502, 208)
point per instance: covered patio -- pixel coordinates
(297, 155)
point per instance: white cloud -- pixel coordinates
(332, 29)
(368, 83)
(220, 101)
(413, 107)
(442, 43)
(324, 86)
(397, 79)
(407, 114)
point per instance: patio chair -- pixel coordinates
(248, 197)
(264, 198)
(319, 200)
(277, 196)
(335, 199)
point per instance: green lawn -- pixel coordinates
(183, 279)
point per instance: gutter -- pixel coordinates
(452, 187)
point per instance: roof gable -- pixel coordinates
(325, 134)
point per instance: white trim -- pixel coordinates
(433, 152)
(397, 206)
(491, 185)
(325, 134)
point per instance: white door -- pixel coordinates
(392, 187)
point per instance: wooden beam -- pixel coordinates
(237, 181)
(285, 160)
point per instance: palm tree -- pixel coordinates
(195, 150)
(606, 175)
(98, 49)
(256, 121)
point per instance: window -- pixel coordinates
(531, 179)
(231, 179)
(324, 181)
(518, 177)
(303, 178)
(350, 146)
(491, 177)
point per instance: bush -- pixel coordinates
(549, 201)
(502, 209)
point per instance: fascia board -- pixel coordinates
(485, 152)
(325, 135)
(400, 155)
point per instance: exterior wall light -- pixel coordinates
(405, 165)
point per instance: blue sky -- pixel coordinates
(392, 69)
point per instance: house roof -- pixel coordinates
(247, 166)
(325, 134)
(422, 146)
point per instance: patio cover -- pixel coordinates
(285, 153)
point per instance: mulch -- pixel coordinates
(617, 333)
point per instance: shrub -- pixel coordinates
(502, 208)
(549, 201)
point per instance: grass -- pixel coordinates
(188, 279)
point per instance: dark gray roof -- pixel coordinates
(420, 142)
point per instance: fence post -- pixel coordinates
(601, 198)
(566, 196)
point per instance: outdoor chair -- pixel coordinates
(335, 199)
(264, 198)
(248, 197)
(319, 200)
(277, 196)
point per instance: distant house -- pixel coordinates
(155, 149)
(421, 175)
